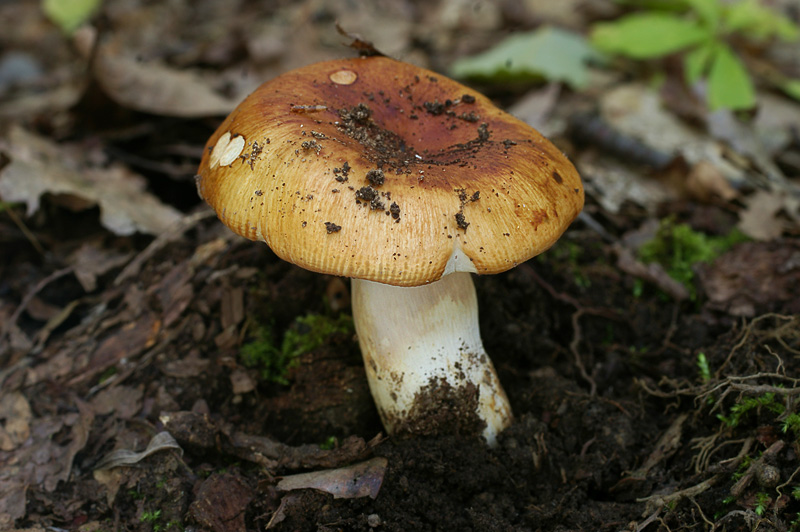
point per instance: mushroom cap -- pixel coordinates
(376, 169)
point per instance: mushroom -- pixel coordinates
(407, 182)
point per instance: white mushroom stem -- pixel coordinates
(424, 357)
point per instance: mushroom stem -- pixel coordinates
(426, 365)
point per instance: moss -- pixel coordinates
(747, 404)
(306, 334)
(677, 247)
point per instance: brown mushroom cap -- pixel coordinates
(380, 170)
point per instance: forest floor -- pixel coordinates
(160, 373)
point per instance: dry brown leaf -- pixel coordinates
(759, 220)
(288, 503)
(724, 125)
(12, 501)
(754, 278)
(150, 87)
(15, 412)
(775, 121)
(189, 366)
(613, 183)
(125, 457)
(81, 424)
(39, 166)
(636, 111)
(92, 260)
(241, 382)
(706, 182)
(358, 480)
(124, 401)
(42, 461)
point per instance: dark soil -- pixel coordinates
(585, 452)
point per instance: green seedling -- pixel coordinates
(70, 14)
(306, 334)
(150, 517)
(678, 248)
(703, 368)
(706, 33)
(328, 444)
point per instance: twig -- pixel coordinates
(29, 297)
(738, 488)
(791, 478)
(660, 501)
(25, 231)
(709, 523)
(573, 347)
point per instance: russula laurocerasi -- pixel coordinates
(407, 182)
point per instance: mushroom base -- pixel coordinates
(426, 366)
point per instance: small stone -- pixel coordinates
(373, 520)
(768, 476)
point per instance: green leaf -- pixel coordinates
(753, 20)
(729, 84)
(709, 11)
(69, 14)
(695, 63)
(647, 35)
(791, 87)
(550, 53)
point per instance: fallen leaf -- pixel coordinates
(12, 501)
(150, 87)
(775, 122)
(759, 220)
(125, 457)
(724, 125)
(81, 423)
(754, 278)
(288, 502)
(39, 166)
(125, 342)
(124, 401)
(93, 260)
(546, 53)
(15, 414)
(613, 183)
(175, 292)
(241, 382)
(636, 110)
(358, 480)
(189, 366)
(706, 182)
